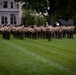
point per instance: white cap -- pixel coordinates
(57, 23)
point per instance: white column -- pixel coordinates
(14, 5)
(0, 19)
(9, 4)
(17, 19)
(9, 19)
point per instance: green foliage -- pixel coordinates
(52, 7)
(32, 18)
(75, 29)
(40, 20)
(27, 18)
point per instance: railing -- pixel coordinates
(9, 9)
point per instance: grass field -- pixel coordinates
(37, 57)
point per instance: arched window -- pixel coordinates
(13, 19)
(4, 20)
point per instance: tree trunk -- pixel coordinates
(51, 19)
(51, 12)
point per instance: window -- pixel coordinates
(11, 4)
(13, 19)
(4, 20)
(17, 5)
(0, 3)
(5, 4)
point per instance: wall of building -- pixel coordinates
(7, 11)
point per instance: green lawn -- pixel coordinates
(37, 57)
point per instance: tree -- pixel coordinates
(28, 18)
(40, 20)
(51, 7)
(32, 18)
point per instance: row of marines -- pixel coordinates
(35, 32)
